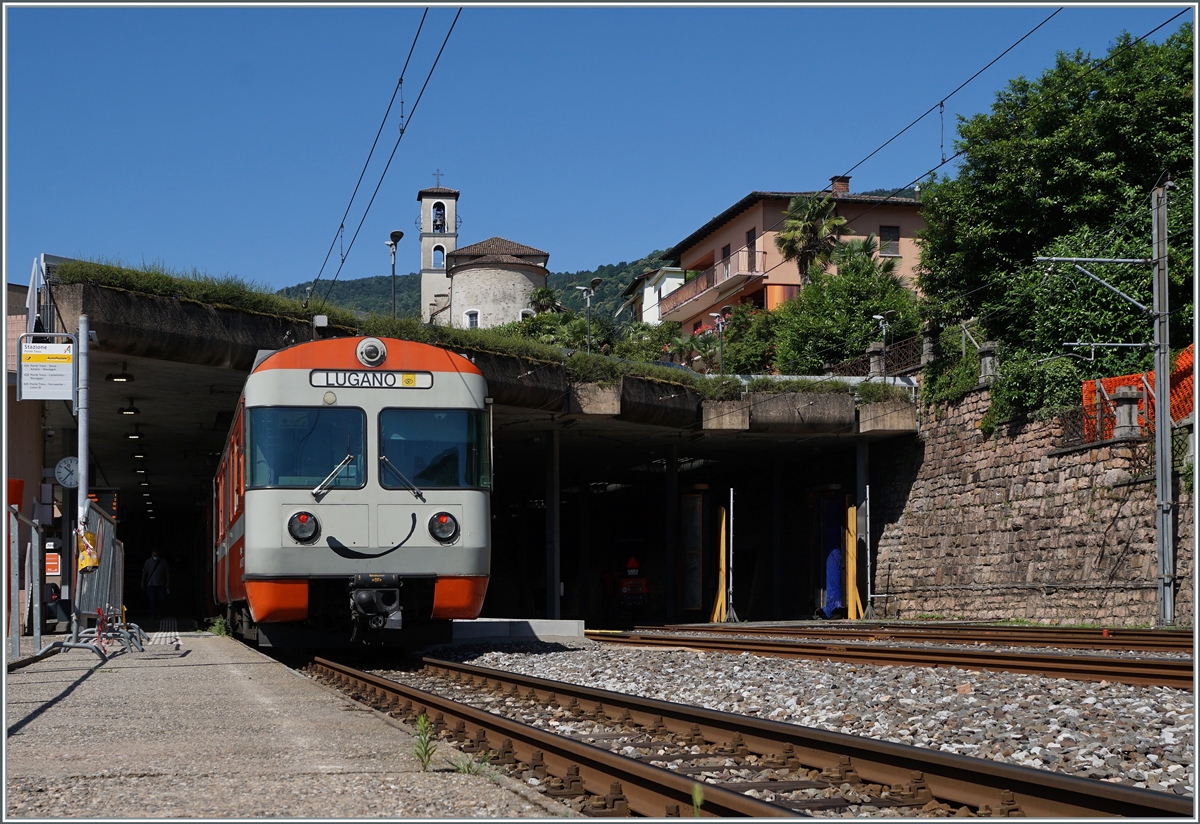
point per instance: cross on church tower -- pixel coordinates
(438, 175)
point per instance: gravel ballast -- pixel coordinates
(1140, 736)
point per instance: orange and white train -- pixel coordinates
(352, 499)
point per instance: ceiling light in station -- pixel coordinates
(135, 434)
(129, 410)
(121, 377)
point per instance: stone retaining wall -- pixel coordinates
(1011, 527)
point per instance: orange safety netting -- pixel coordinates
(1181, 396)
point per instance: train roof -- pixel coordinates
(340, 353)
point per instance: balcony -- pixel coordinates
(714, 282)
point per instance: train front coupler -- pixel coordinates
(375, 599)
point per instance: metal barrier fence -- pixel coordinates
(104, 587)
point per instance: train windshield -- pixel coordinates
(434, 448)
(300, 446)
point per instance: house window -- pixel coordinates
(527, 313)
(472, 320)
(439, 257)
(751, 252)
(889, 241)
(439, 218)
(725, 261)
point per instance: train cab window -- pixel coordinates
(435, 448)
(300, 446)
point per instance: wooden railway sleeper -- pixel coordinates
(611, 805)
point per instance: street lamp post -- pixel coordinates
(588, 291)
(721, 318)
(883, 327)
(391, 244)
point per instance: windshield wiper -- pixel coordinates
(411, 486)
(319, 489)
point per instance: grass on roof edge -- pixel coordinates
(234, 293)
(226, 291)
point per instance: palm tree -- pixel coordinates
(810, 232)
(543, 299)
(681, 348)
(706, 352)
(861, 252)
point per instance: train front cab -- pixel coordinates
(348, 506)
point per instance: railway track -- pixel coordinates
(794, 770)
(1166, 672)
(1164, 640)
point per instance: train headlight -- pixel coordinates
(371, 352)
(444, 527)
(304, 527)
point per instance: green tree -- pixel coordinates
(833, 317)
(646, 341)
(749, 341)
(1074, 152)
(1063, 166)
(810, 232)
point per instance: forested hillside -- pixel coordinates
(365, 296)
(374, 294)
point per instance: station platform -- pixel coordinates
(203, 726)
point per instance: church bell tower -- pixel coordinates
(438, 225)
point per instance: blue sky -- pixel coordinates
(229, 140)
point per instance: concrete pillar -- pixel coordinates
(930, 343)
(862, 479)
(553, 544)
(777, 546)
(671, 510)
(987, 362)
(875, 351)
(1126, 399)
(584, 579)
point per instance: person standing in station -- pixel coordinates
(156, 581)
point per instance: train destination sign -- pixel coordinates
(363, 379)
(47, 371)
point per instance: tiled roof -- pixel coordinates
(508, 259)
(497, 246)
(749, 200)
(437, 190)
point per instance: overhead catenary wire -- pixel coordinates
(945, 161)
(399, 85)
(399, 138)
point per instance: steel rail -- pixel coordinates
(1106, 639)
(1164, 672)
(960, 779)
(649, 790)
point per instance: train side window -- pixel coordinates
(239, 465)
(221, 500)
